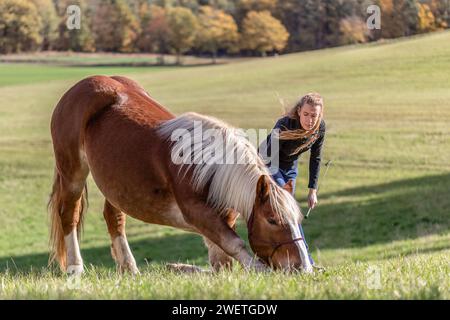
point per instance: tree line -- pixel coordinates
(215, 27)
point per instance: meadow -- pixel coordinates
(382, 226)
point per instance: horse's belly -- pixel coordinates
(125, 161)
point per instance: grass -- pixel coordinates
(403, 277)
(105, 59)
(383, 206)
(19, 74)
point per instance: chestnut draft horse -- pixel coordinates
(111, 127)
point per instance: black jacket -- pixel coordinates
(286, 147)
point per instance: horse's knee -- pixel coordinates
(218, 259)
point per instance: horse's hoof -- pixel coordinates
(259, 266)
(135, 271)
(130, 268)
(75, 270)
(308, 270)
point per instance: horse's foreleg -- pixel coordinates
(218, 259)
(120, 250)
(217, 231)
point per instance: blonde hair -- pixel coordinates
(313, 99)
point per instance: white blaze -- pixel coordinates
(306, 264)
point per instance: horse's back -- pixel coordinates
(92, 95)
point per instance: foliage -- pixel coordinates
(20, 25)
(263, 33)
(218, 30)
(141, 26)
(183, 26)
(114, 26)
(353, 30)
(49, 18)
(77, 39)
(426, 18)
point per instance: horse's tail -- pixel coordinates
(54, 207)
(57, 247)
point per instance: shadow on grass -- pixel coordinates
(174, 248)
(408, 251)
(379, 214)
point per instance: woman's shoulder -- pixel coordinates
(286, 123)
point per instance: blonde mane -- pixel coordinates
(230, 185)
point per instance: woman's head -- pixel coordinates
(309, 112)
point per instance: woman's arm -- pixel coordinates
(314, 165)
(316, 158)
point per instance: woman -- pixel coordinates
(301, 129)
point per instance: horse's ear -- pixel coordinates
(263, 188)
(289, 186)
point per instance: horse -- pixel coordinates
(112, 128)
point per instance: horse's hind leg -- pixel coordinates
(71, 218)
(120, 250)
(67, 203)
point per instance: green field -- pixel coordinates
(383, 207)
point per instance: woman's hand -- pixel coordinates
(312, 198)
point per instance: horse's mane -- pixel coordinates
(230, 185)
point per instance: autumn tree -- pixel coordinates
(144, 14)
(399, 18)
(426, 18)
(441, 12)
(218, 30)
(263, 33)
(20, 25)
(243, 7)
(192, 5)
(155, 32)
(300, 19)
(353, 30)
(115, 27)
(257, 5)
(74, 39)
(49, 18)
(228, 6)
(183, 26)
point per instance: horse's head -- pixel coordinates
(273, 227)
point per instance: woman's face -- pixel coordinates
(308, 115)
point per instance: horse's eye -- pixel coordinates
(272, 221)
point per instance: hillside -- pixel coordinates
(384, 201)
